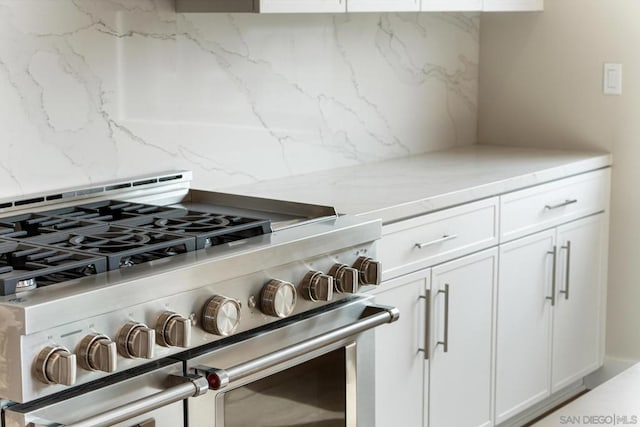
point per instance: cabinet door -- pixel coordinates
(512, 5)
(302, 6)
(578, 318)
(524, 323)
(383, 5)
(399, 355)
(461, 367)
(451, 5)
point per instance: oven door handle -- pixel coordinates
(372, 316)
(187, 386)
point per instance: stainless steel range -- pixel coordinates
(147, 303)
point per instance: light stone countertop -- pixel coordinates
(410, 186)
(615, 402)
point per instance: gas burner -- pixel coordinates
(114, 210)
(26, 266)
(30, 225)
(209, 229)
(122, 246)
(110, 242)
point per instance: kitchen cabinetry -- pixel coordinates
(551, 289)
(338, 6)
(383, 5)
(524, 324)
(503, 335)
(482, 5)
(462, 331)
(512, 5)
(302, 6)
(399, 358)
(578, 320)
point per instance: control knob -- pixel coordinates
(370, 270)
(96, 352)
(317, 286)
(56, 365)
(221, 315)
(136, 340)
(173, 330)
(346, 279)
(278, 298)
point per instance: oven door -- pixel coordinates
(149, 396)
(313, 371)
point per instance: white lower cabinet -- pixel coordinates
(550, 312)
(399, 356)
(461, 362)
(524, 324)
(578, 319)
(412, 390)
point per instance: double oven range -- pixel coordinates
(147, 303)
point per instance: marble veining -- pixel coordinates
(96, 90)
(401, 188)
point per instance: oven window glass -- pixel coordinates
(312, 394)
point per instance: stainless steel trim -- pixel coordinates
(560, 205)
(188, 386)
(221, 378)
(174, 181)
(445, 341)
(567, 271)
(554, 252)
(427, 331)
(443, 239)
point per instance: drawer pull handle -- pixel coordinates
(443, 239)
(560, 205)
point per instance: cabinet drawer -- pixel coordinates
(528, 211)
(409, 245)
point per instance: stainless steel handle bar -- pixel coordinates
(554, 253)
(443, 239)
(221, 378)
(567, 270)
(560, 205)
(188, 386)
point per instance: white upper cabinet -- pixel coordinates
(383, 5)
(481, 5)
(451, 5)
(302, 6)
(339, 6)
(512, 5)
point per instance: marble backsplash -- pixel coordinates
(95, 90)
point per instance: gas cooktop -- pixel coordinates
(44, 248)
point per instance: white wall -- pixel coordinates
(93, 90)
(541, 85)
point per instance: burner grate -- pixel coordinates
(114, 210)
(122, 246)
(30, 225)
(24, 266)
(209, 229)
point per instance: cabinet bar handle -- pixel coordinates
(445, 342)
(427, 315)
(567, 272)
(560, 205)
(443, 239)
(553, 275)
